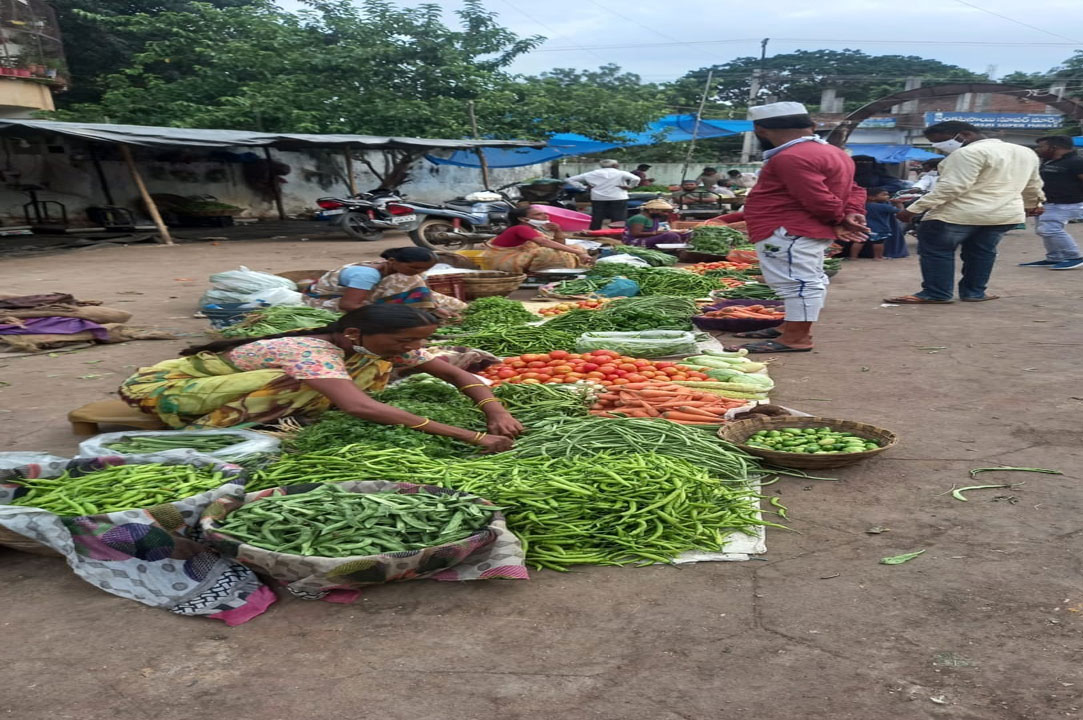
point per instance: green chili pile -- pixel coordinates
(508, 341)
(748, 291)
(533, 405)
(608, 508)
(332, 522)
(121, 487)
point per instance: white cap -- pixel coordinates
(779, 109)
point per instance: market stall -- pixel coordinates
(645, 442)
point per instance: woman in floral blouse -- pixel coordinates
(230, 383)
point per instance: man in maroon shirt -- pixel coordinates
(805, 199)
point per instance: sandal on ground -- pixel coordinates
(915, 300)
(981, 299)
(768, 334)
(770, 346)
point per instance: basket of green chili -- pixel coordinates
(316, 538)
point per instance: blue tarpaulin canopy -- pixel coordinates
(891, 153)
(671, 128)
(1078, 141)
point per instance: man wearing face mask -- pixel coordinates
(985, 188)
(805, 198)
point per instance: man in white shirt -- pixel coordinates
(985, 188)
(608, 192)
(738, 179)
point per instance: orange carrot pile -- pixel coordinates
(747, 312)
(701, 268)
(665, 401)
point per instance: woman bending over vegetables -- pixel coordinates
(302, 373)
(395, 279)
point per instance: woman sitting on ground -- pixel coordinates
(303, 373)
(395, 279)
(645, 229)
(532, 243)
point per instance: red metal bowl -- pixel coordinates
(737, 324)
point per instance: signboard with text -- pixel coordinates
(999, 121)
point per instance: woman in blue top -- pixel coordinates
(397, 278)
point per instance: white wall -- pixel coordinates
(68, 175)
(663, 173)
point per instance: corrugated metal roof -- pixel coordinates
(151, 136)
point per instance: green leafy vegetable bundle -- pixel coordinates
(490, 311)
(278, 319)
(716, 239)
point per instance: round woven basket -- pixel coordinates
(738, 432)
(737, 324)
(491, 282)
(15, 541)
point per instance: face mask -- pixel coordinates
(948, 146)
(538, 223)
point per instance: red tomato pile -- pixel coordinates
(601, 366)
(564, 307)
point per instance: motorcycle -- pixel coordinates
(457, 224)
(366, 216)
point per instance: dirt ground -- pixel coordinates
(986, 625)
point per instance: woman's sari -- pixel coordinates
(527, 258)
(396, 288)
(208, 391)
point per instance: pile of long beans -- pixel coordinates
(137, 444)
(121, 487)
(610, 508)
(533, 405)
(333, 522)
(574, 437)
(508, 341)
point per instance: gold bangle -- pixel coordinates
(491, 399)
(478, 437)
(421, 424)
(467, 387)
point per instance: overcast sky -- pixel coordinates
(663, 40)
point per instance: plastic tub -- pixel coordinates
(569, 220)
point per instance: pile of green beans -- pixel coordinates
(748, 291)
(121, 487)
(608, 508)
(137, 444)
(571, 437)
(509, 341)
(535, 404)
(332, 522)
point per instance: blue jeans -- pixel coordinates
(1059, 245)
(937, 243)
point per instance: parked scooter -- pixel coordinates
(457, 224)
(366, 216)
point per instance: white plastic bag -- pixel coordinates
(625, 260)
(250, 442)
(244, 285)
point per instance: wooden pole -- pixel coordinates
(349, 171)
(273, 179)
(480, 151)
(152, 207)
(695, 128)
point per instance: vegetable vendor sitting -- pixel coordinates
(532, 243)
(302, 373)
(645, 229)
(395, 279)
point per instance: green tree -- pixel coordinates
(96, 49)
(802, 75)
(339, 68)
